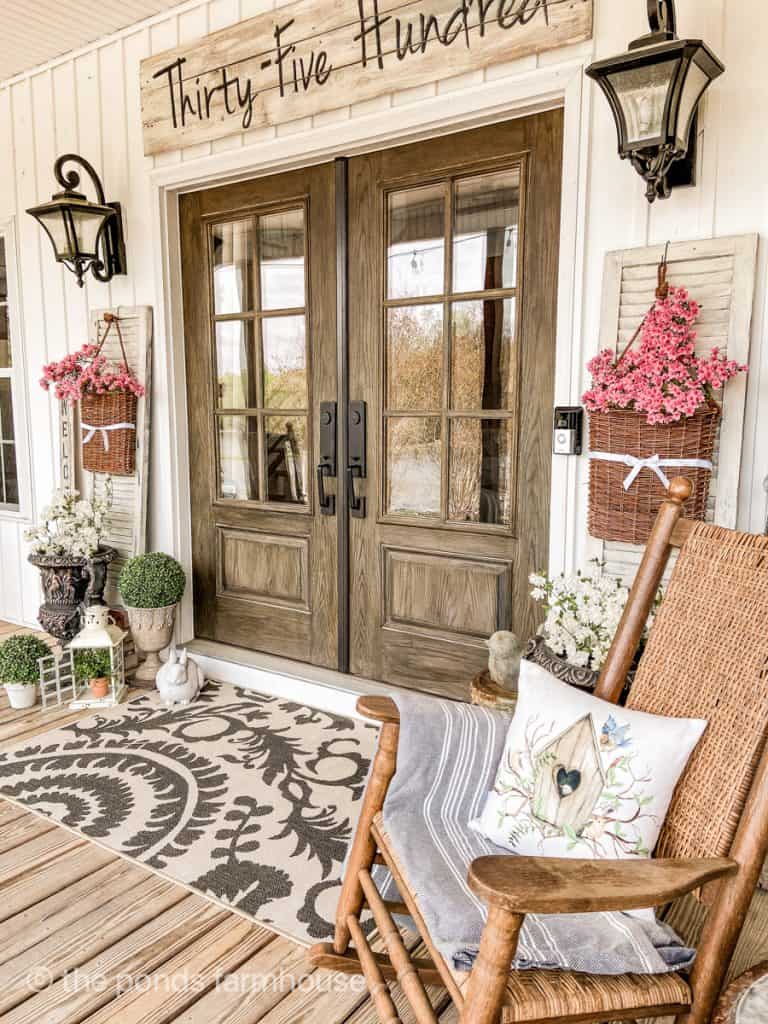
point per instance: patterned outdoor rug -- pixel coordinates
(248, 799)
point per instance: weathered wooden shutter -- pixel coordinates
(128, 519)
(719, 274)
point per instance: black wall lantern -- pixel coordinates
(654, 92)
(85, 235)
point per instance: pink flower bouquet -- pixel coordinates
(87, 372)
(663, 377)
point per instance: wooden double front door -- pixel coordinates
(370, 374)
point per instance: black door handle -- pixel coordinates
(356, 502)
(327, 502)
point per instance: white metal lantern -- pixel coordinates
(100, 633)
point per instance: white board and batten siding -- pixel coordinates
(720, 274)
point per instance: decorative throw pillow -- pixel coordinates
(580, 777)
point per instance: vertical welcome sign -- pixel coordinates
(317, 55)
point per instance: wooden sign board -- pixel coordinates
(318, 55)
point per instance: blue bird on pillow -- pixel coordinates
(614, 735)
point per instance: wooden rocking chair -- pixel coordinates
(707, 658)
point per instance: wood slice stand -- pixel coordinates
(488, 694)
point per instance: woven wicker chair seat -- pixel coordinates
(562, 995)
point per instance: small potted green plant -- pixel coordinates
(94, 667)
(19, 671)
(151, 587)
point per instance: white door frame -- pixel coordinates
(549, 86)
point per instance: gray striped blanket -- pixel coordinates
(446, 764)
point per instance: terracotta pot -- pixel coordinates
(21, 695)
(68, 584)
(152, 630)
(99, 687)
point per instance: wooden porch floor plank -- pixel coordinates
(187, 977)
(42, 881)
(10, 812)
(249, 993)
(21, 830)
(136, 955)
(69, 906)
(37, 851)
(91, 934)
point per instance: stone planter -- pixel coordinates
(152, 630)
(21, 695)
(68, 585)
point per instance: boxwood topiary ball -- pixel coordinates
(18, 659)
(154, 580)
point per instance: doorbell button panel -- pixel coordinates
(567, 435)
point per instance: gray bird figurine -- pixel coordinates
(506, 652)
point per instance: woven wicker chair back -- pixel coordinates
(707, 657)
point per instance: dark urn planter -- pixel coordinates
(583, 678)
(69, 584)
(538, 652)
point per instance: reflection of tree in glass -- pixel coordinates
(415, 370)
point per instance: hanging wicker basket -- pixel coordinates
(625, 490)
(108, 424)
(108, 421)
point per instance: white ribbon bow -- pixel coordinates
(653, 462)
(91, 432)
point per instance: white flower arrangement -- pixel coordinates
(70, 528)
(583, 610)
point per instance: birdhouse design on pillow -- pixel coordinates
(569, 777)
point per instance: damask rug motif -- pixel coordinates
(250, 800)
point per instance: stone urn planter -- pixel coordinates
(151, 586)
(68, 585)
(152, 630)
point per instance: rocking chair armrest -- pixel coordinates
(381, 709)
(549, 885)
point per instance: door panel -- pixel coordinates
(260, 327)
(453, 289)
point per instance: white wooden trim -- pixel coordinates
(534, 91)
(19, 378)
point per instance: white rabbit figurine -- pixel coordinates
(180, 679)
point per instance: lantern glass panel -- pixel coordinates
(54, 223)
(642, 95)
(696, 83)
(87, 224)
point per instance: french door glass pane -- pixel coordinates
(238, 458)
(6, 410)
(281, 253)
(9, 476)
(482, 354)
(413, 465)
(284, 346)
(416, 255)
(5, 340)
(232, 267)
(415, 358)
(485, 231)
(481, 471)
(235, 369)
(285, 441)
